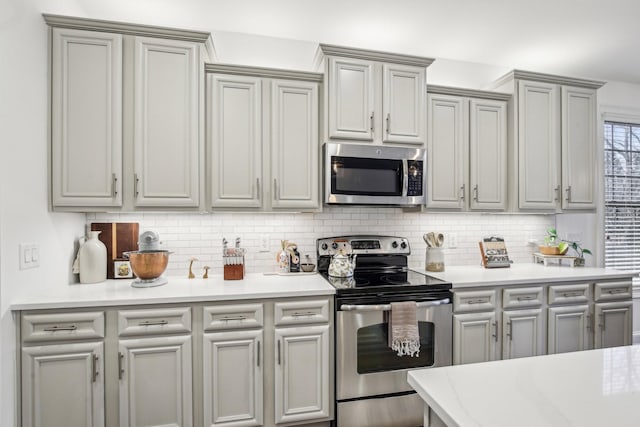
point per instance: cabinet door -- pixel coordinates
(522, 334)
(538, 145)
(232, 375)
(613, 322)
(86, 118)
(167, 136)
(568, 329)
(155, 381)
(488, 154)
(578, 148)
(294, 144)
(235, 113)
(63, 385)
(351, 99)
(301, 373)
(475, 337)
(446, 144)
(403, 104)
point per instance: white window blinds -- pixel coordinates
(622, 195)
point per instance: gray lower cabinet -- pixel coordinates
(62, 375)
(190, 365)
(540, 319)
(63, 385)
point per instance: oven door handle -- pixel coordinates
(387, 307)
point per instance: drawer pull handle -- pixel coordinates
(526, 298)
(616, 291)
(61, 328)
(94, 367)
(572, 294)
(228, 318)
(303, 314)
(153, 322)
(477, 301)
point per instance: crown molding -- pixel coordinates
(372, 55)
(471, 93)
(275, 73)
(547, 78)
(131, 29)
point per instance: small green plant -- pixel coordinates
(580, 251)
(552, 239)
(552, 236)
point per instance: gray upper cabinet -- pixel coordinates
(373, 97)
(554, 140)
(466, 149)
(127, 104)
(86, 118)
(263, 138)
(167, 138)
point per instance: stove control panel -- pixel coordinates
(370, 245)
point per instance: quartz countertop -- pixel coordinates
(177, 290)
(587, 389)
(525, 273)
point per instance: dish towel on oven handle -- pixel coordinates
(403, 329)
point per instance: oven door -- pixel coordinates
(366, 365)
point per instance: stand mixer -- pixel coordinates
(149, 262)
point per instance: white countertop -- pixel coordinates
(120, 292)
(583, 389)
(524, 273)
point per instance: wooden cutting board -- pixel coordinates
(118, 237)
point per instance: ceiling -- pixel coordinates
(580, 38)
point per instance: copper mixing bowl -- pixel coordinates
(148, 265)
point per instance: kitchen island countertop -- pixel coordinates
(177, 290)
(525, 273)
(587, 388)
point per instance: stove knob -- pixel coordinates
(394, 245)
(334, 245)
(403, 245)
(324, 246)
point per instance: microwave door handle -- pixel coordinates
(405, 178)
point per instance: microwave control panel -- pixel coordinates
(414, 183)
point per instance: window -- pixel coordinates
(622, 195)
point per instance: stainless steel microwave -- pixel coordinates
(374, 175)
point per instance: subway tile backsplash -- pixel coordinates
(200, 235)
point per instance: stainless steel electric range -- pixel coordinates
(371, 379)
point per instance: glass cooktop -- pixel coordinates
(401, 280)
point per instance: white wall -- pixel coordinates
(23, 178)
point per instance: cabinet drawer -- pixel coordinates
(236, 316)
(474, 300)
(522, 297)
(301, 312)
(154, 321)
(612, 291)
(569, 294)
(62, 326)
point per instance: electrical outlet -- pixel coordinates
(263, 243)
(29, 255)
(452, 241)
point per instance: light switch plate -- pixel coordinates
(29, 255)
